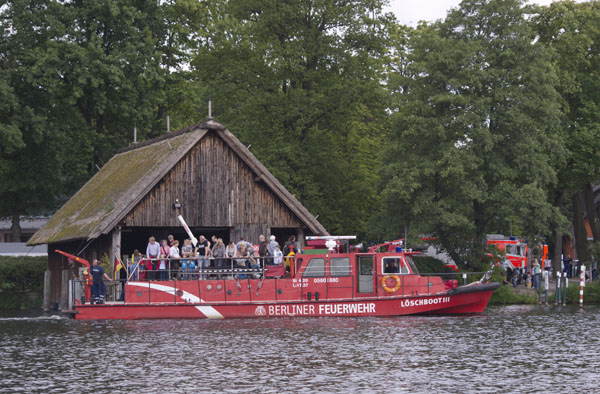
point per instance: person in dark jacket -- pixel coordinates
(123, 280)
(98, 288)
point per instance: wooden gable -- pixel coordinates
(216, 189)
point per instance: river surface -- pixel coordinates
(506, 349)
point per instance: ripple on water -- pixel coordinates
(506, 349)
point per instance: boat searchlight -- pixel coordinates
(331, 239)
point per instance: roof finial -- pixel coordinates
(209, 109)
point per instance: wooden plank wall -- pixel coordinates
(216, 189)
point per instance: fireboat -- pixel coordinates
(328, 278)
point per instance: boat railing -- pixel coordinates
(423, 283)
(249, 284)
(199, 267)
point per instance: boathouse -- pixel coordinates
(202, 172)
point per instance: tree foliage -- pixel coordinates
(475, 136)
(301, 83)
(483, 122)
(20, 278)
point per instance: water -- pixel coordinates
(507, 349)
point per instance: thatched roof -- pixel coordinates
(129, 175)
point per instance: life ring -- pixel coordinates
(391, 289)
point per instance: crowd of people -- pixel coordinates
(166, 260)
(521, 276)
(532, 277)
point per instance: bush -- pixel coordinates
(22, 281)
(505, 294)
(591, 294)
(430, 265)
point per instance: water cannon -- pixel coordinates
(187, 230)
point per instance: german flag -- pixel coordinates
(118, 267)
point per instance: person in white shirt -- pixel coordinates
(174, 255)
(278, 255)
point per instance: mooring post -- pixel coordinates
(546, 284)
(581, 284)
(539, 289)
(565, 284)
(558, 296)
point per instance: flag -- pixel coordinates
(118, 267)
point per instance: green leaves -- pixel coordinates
(476, 128)
(301, 83)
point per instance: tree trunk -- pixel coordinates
(15, 229)
(557, 234)
(581, 242)
(590, 210)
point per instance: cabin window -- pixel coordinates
(339, 266)
(394, 265)
(315, 268)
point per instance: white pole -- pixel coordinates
(187, 230)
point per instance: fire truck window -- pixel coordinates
(508, 249)
(315, 268)
(339, 266)
(394, 265)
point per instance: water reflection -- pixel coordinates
(507, 349)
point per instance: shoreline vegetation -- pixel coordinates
(22, 282)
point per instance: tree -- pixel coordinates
(301, 82)
(571, 31)
(31, 140)
(76, 78)
(475, 135)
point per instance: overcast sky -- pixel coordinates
(410, 12)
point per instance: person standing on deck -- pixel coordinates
(98, 288)
(164, 264)
(218, 253)
(272, 244)
(123, 280)
(152, 252)
(230, 252)
(263, 251)
(203, 252)
(175, 258)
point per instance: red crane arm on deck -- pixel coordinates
(73, 257)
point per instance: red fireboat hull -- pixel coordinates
(467, 299)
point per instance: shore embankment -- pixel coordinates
(508, 294)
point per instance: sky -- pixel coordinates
(410, 12)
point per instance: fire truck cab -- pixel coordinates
(514, 249)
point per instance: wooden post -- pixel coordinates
(64, 290)
(115, 249)
(301, 237)
(47, 284)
